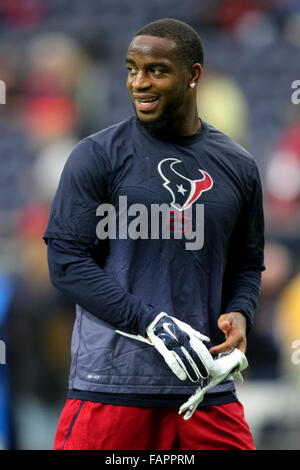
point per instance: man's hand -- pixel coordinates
(180, 345)
(234, 326)
(230, 363)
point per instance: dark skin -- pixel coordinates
(155, 70)
(159, 84)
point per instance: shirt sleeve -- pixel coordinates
(71, 238)
(75, 272)
(245, 260)
(84, 184)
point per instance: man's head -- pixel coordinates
(164, 62)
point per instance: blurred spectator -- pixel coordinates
(230, 12)
(50, 123)
(282, 179)
(22, 14)
(59, 66)
(66, 99)
(40, 321)
(16, 160)
(49, 118)
(264, 346)
(222, 103)
(48, 167)
(255, 29)
(292, 28)
(289, 327)
(10, 65)
(16, 150)
(54, 61)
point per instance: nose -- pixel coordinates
(140, 81)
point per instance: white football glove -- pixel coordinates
(229, 363)
(180, 345)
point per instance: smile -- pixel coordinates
(146, 104)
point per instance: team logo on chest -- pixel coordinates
(184, 191)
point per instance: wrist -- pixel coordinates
(240, 317)
(154, 321)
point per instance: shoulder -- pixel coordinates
(228, 147)
(94, 151)
(234, 160)
(111, 136)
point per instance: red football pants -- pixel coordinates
(85, 425)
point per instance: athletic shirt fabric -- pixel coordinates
(123, 282)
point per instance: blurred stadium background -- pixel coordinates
(63, 65)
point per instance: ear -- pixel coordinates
(196, 72)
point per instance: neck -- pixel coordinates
(188, 126)
(174, 127)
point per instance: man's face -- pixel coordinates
(157, 81)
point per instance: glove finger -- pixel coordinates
(198, 354)
(187, 362)
(178, 340)
(238, 377)
(227, 364)
(192, 353)
(175, 365)
(191, 332)
(198, 363)
(181, 356)
(170, 358)
(202, 337)
(192, 403)
(189, 413)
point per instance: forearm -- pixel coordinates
(75, 273)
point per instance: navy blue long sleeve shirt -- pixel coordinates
(124, 281)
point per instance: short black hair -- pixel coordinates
(186, 38)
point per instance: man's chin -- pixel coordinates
(157, 126)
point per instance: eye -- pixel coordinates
(157, 72)
(132, 70)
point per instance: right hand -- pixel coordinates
(181, 347)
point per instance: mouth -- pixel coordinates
(146, 104)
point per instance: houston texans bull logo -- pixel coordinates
(184, 191)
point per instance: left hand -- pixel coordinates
(234, 326)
